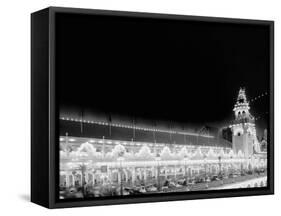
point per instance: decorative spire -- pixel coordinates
(242, 99)
(241, 108)
(242, 104)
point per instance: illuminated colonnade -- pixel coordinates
(143, 166)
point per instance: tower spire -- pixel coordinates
(242, 96)
(241, 107)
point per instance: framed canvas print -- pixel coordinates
(140, 107)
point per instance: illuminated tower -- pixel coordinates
(243, 127)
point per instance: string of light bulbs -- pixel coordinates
(259, 97)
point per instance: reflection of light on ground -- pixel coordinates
(257, 182)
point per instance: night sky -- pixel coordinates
(180, 71)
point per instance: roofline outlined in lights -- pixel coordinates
(134, 127)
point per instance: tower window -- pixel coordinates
(238, 134)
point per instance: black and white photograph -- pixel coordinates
(153, 106)
(143, 107)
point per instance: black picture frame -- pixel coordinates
(44, 113)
